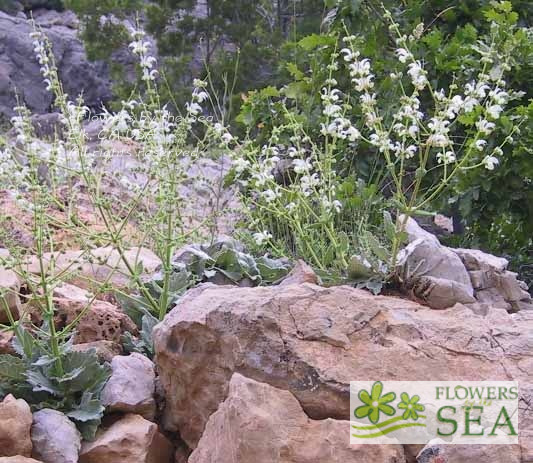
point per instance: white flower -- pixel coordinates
(270, 195)
(418, 75)
(363, 84)
(240, 165)
(497, 151)
(349, 55)
(480, 144)
(403, 55)
(382, 141)
(332, 110)
(193, 108)
(200, 96)
(494, 111)
(360, 68)
(490, 162)
(301, 166)
(261, 237)
(227, 137)
(447, 157)
(410, 151)
(485, 126)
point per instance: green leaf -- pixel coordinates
(271, 270)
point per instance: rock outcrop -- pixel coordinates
(493, 284)
(18, 459)
(131, 439)
(15, 427)
(312, 341)
(131, 387)
(261, 424)
(19, 69)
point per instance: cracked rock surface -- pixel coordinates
(312, 341)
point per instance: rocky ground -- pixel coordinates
(262, 374)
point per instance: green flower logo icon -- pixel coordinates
(411, 406)
(375, 403)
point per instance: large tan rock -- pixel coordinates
(261, 424)
(313, 341)
(9, 290)
(131, 439)
(15, 427)
(100, 265)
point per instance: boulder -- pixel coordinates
(15, 427)
(9, 289)
(100, 264)
(434, 272)
(131, 387)
(313, 341)
(55, 438)
(131, 439)
(442, 453)
(262, 424)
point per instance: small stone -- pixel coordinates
(15, 427)
(131, 439)
(105, 350)
(55, 438)
(301, 273)
(131, 386)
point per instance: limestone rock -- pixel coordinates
(131, 439)
(428, 264)
(6, 339)
(301, 273)
(313, 341)
(469, 453)
(261, 424)
(99, 264)
(105, 350)
(9, 287)
(474, 259)
(19, 69)
(18, 459)
(55, 438)
(15, 426)
(103, 321)
(131, 387)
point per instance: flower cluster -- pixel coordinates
(140, 47)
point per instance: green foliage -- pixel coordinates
(71, 384)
